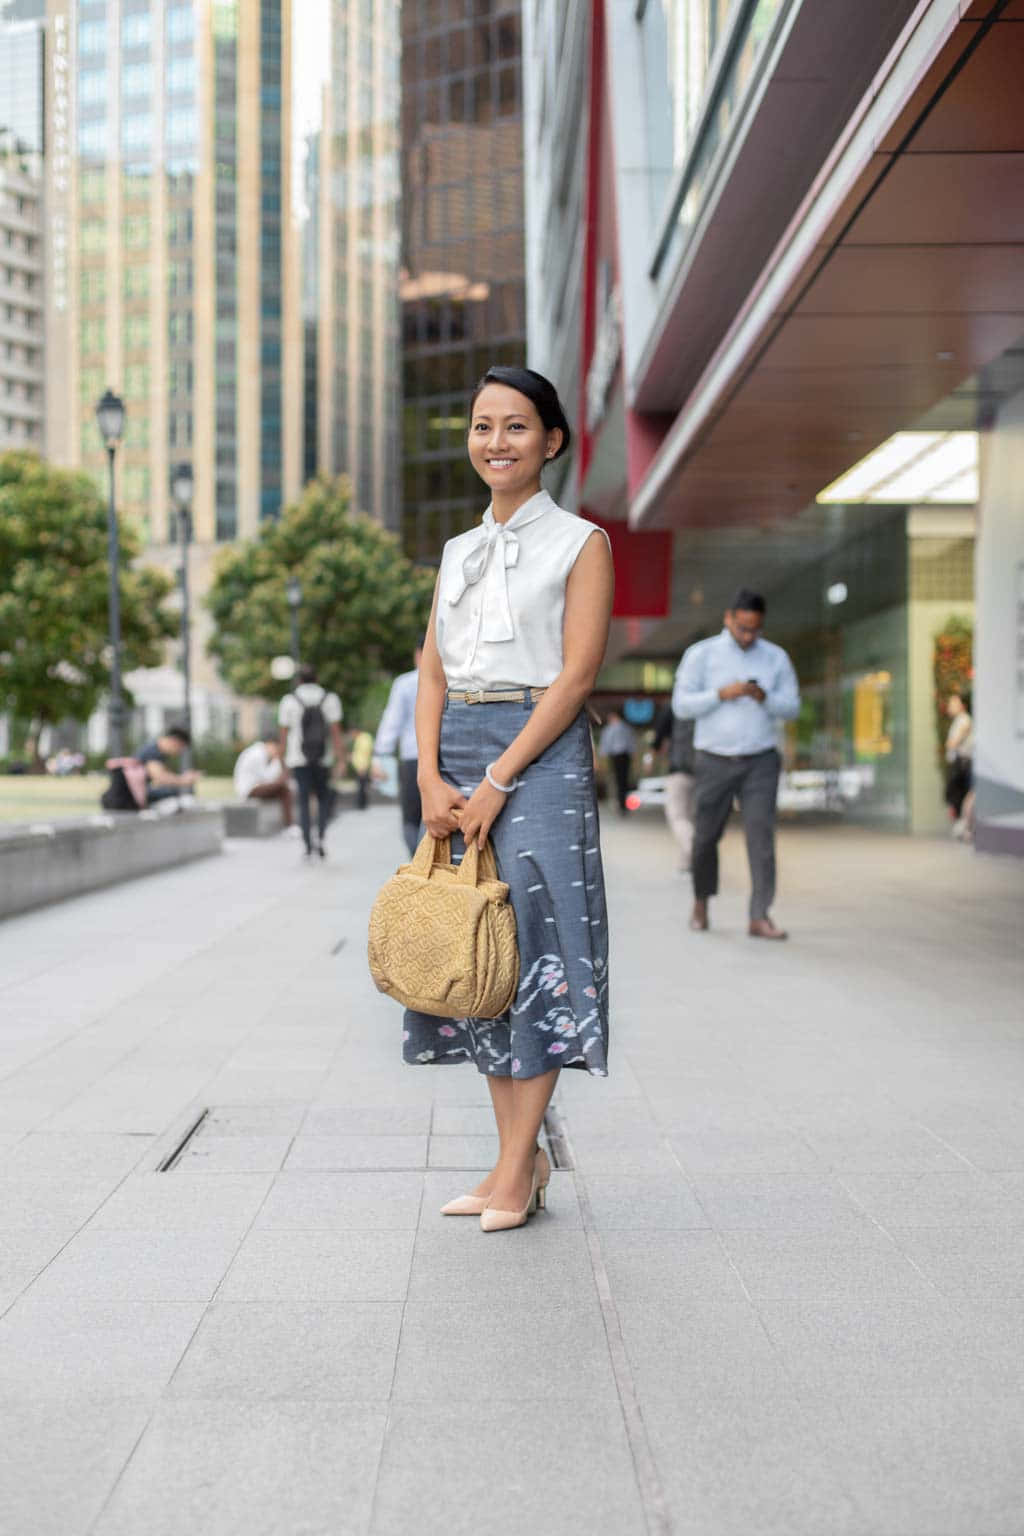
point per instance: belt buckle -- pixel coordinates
(475, 698)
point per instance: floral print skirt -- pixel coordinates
(547, 845)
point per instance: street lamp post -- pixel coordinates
(110, 417)
(294, 593)
(182, 488)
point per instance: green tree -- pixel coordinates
(364, 605)
(54, 652)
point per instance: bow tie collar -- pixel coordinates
(494, 551)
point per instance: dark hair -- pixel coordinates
(179, 733)
(747, 601)
(307, 672)
(964, 695)
(539, 390)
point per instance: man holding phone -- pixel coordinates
(737, 687)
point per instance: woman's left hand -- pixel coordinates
(480, 813)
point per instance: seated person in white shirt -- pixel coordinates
(259, 775)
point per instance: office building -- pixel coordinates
(171, 275)
(800, 347)
(21, 305)
(350, 259)
(463, 277)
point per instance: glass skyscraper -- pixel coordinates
(463, 249)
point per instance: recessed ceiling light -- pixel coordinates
(837, 593)
(910, 468)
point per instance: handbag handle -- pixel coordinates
(477, 864)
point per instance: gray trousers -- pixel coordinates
(754, 780)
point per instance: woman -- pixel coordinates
(960, 761)
(520, 616)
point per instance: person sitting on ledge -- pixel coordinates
(259, 775)
(162, 782)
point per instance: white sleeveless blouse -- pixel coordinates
(501, 597)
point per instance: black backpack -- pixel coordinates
(313, 730)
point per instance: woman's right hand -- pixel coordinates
(441, 804)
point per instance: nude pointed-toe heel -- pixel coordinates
(465, 1205)
(492, 1220)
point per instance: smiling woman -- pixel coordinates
(517, 635)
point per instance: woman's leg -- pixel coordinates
(513, 1177)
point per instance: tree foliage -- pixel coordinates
(364, 605)
(54, 650)
(952, 669)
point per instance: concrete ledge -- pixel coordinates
(1001, 834)
(252, 818)
(48, 861)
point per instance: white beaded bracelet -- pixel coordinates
(506, 789)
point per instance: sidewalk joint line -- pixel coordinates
(652, 1496)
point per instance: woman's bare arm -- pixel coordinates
(588, 608)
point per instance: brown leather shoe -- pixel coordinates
(764, 928)
(699, 917)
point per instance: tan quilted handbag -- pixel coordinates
(443, 936)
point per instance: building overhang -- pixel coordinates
(900, 275)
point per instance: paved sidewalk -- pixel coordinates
(782, 1292)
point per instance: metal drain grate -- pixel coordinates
(558, 1140)
(169, 1162)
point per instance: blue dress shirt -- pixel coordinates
(735, 727)
(398, 722)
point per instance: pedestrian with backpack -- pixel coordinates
(310, 722)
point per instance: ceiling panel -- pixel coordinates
(980, 109)
(946, 200)
(893, 341)
(918, 280)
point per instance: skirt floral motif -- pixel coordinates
(547, 845)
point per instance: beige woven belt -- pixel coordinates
(506, 696)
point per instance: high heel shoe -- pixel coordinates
(475, 1205)
(492, 1220)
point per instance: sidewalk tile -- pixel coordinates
(252, 1120)
(263, 1353)
(164, 1202)
(554, 1264)
(684, 1346)
(747, 1464)
(967, 1261)
(258, 1469)
(342, 1200)
(689, 1264)
(938, 1464)
(750, 1151)
(72, 1349)
(823, 1266)
(357, 1152)
(429, 1485)
(320, 1266)
(475, 1153)
(23, 1255)
(138, 1266)
(364, 1120)
(43, 1154)
(639, 1202)
(232, 1154)
(787, 1202)
(61, 1460)
(964, 1199)
(473, 1351)
(39, 1204)
(643, 1152)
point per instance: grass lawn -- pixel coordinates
(40, 798)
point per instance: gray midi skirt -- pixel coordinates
(547, 845)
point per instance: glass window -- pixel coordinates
(92, 36)
(137, 79)
(136, 282)
(92, 139)
(181, 74)
(136, 380)
(135, 29)
(181, 126)
(92, 85)
(136, 230)
(93, 235)
(136, 332)
(181, 22)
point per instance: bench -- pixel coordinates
(48, 861)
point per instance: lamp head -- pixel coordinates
(110, 416)
(294, 593)
(182, 486)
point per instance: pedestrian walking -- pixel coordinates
(360, 760)
(679, 781)
(397, 732)
(960, 763)
(617, 744)
(517, 635)
(736, 686)
(259, 775)
(310, 734)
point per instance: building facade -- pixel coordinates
(350, 260)
(22, 376)
(463, 253)
(800, 357)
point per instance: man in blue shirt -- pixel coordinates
(736, 686)
(397, 729)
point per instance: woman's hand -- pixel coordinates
(442, 807)
(485, 806)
